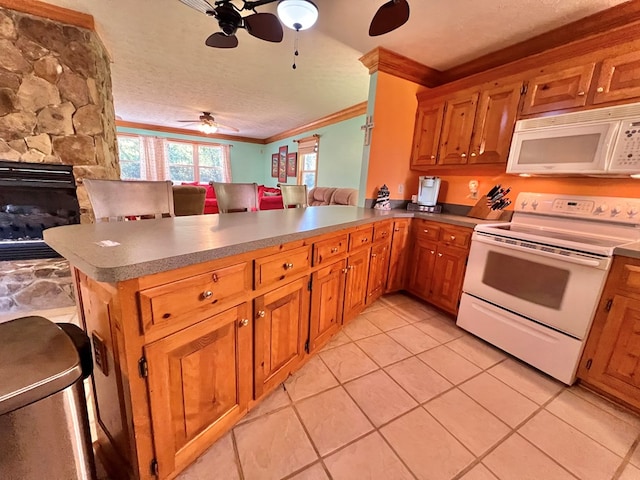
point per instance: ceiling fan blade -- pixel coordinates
(224, 127)
(199, 5)
(389, 16)
(264, 26)
(220, 40)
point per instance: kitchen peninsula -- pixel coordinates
(195, 319)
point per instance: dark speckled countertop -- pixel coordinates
(117, 251)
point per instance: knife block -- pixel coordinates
(481, 210)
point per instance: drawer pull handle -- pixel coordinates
(334, 250)
(288, 266)
(207, 294)
(439, 254)
(244, 322)
(453, 237)
(261, 313)
(214, 277)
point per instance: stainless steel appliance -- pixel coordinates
(428, 189)
(43, 412)
(600, 141)
(532, 286)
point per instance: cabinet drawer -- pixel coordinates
(455, 237)
(382, 231)
(192, 298)
(426, 230)
(281, 266)
(327, 249)
(360, 238)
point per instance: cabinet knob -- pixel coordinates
(433, 157)
(439, 254)
(453, 237)
(464, 155)
(364, 240)
(244, 322)
(214, 277)
(426, 230)
(383, 234)
(351, 267)
(207, 294)
(374, 255)
(600, 89)
(397, 229)
(473, 154)
(345, 270)
(261, 313)
(581, 94)
(288, 266)
(334, 250)
(432, 252)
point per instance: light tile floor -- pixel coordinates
(402, 393)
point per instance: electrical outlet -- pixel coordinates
(401, 188)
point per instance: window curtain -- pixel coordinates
(155, 165)
(226, 162)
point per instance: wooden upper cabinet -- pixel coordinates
(495, 121)
(619, 78)
(558, 90)
(199, 385)
(426, 135)
(457, 129)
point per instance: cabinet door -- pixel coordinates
(423, 259)
(356, 289)
(281, 330)
(199, 385)
(378, 269)
(619, 78)
(398, 255)
(495, 121)
(557, 90)
(448, 274)
(426, 135)
(327, 300)
(456, 130)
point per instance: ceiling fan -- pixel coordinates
(207, 124)
(295, 14)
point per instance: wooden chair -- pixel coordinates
(188, 200)
(295, 195)
(118, 200)
(236, 197)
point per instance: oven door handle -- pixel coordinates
(578, 261)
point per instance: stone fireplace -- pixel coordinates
(56, 107)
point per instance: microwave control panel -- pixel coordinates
(626, 156)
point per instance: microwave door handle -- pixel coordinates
(578, 261)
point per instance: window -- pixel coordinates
(131, 155)
(152, 158)
(308, 161)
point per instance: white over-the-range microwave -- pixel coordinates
(603, 141)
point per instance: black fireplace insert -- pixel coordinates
(34, 197)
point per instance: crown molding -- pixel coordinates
(383, 60)
(184, 131)
(612, 18)
(51, 12)
(340, 116)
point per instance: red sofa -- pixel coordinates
(269, 198)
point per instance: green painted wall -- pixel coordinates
(246, 158)
(340, 154)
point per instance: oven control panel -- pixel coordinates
(611, 209)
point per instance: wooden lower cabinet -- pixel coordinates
(281, 330)
(398, 255)
(327, 300)
(422, 265)
(356, 289)
(378, 270)
(611, 359)
(448, 274)
(199, 385)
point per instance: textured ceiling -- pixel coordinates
(162, 71)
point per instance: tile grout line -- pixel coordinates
(236, 454)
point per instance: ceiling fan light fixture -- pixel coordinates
(297, 14)
(207, 128)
